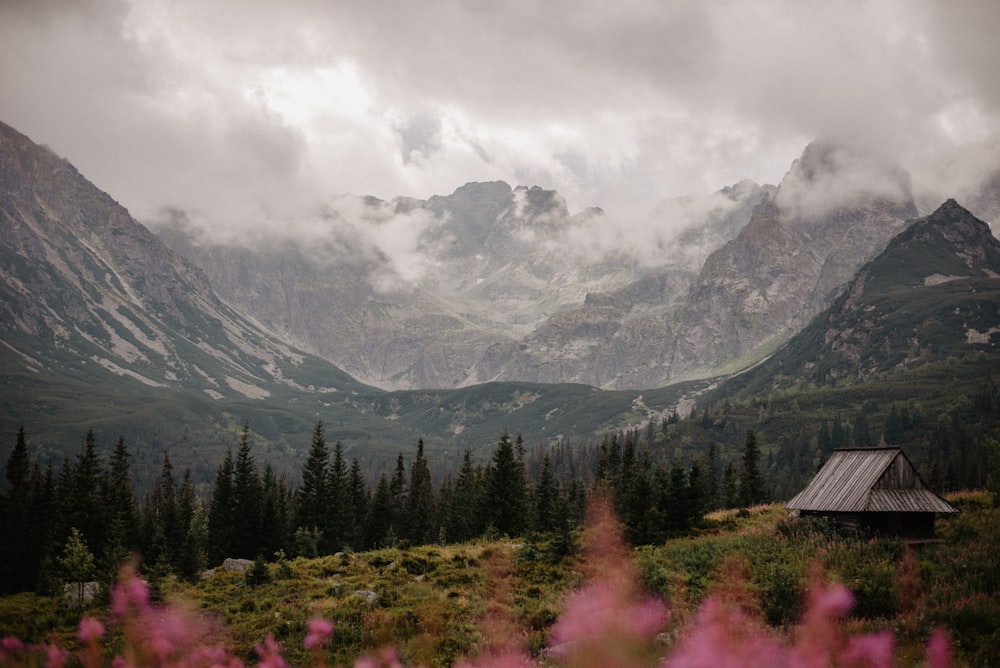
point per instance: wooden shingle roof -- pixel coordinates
(869, 480)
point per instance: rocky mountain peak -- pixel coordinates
(829, 177)
(949, 244)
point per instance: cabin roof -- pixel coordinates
(847, 483)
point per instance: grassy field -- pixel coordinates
(437, 604)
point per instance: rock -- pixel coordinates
(236, 565)
(369, 596)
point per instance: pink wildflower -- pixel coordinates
(130, 593)
(875, 650)
(509, 659)
(55, 657)
(11, 644)
(724, 635)
(320, 631)
(939, 649)
(832, 602)
(270, 654)
(90, 630)
(387, 657)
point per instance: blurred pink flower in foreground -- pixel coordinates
(320, 631)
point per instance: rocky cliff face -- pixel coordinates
(492, 286)
(86, 288)
(833, 211)
(930, 294)
(489, 283)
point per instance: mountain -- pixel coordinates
(835, 209)
(103, 326)
(622, 338)
(490, 283)
(931, 295)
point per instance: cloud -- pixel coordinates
(251, 112)
(828, 175)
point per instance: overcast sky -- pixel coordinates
(239, 110)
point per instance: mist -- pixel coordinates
(251, 115)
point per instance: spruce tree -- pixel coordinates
(697, 494)
(274, 514)
(162, 524)
(420, 503)
(221, 515)
(118, 494)
(359, 503)
(247, 500)
(378, 523)
(18, 557)
(679, 519)
(730, 489)
(193, 527)
(312, 500)
(862, 435)
(751, 489)
(397, 486)
(506, 490)
(640, 522)
(545, 499)
(86, 511)
(464, 520)
(341, 515)
(712, 478)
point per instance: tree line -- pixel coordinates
(85, 520)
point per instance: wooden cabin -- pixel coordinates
(872, 490)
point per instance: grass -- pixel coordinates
(437, 604)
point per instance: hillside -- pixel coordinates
(930, 295)
(103, 327)
(439, 603)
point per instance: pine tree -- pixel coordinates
(18, 558)
(379, 521)
(463, 518)
(640, 524)
(86, 512)
(341, 516)
(397, 486)
(274, 514)
(193, 530)
(221, 515)
(359, 502)
(118, 494)
(730, 491)
(420, 503)
(247, 500)
(506, 495)
(312, 500)
(824, 442)
(712, 502)
(751, 490)
(862, 435)
(838, 438)
(894, 433)
(162, 524)
(697, 494)
(679, 517)
(545, 499)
